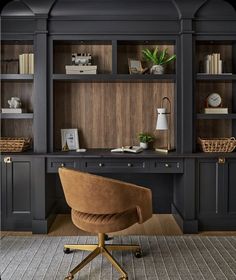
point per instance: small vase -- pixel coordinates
(143, 145)
(157, 69)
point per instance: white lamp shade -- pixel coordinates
(162, 123)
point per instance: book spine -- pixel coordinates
(26, 63)
(220, 67)
(21, 64)
(31, 63)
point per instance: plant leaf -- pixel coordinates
(163, 55)
(171, 58)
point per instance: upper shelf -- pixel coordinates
(215, 77)
(114, 77)
(16, 116)
(17, 77)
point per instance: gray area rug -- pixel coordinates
(165, 258)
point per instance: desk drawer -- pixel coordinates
(169, 166)
(115, 165)
(54, 163)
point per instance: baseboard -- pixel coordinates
(187, 226)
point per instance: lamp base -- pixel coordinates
(163, 150)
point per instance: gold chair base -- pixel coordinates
(101, 248)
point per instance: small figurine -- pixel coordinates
(14, 102)
(81, 58)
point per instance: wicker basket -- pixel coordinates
(220, 145)
(11, 144)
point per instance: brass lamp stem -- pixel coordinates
(168, 113)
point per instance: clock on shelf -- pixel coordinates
(214, 104)
(214, 100)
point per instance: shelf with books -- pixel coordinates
(216, 77)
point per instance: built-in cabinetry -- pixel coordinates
(18, 85)
(215, 125)
(216, 194)
(110, 108)
(16, 192)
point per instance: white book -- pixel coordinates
(220, 66)
(31, 63)
(11, 110)
(129, 149)
(21, 70)
(216, 111)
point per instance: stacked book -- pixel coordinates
(81, 69)
(26, 63)
(216, 111)
(213, 64)
(11, 110)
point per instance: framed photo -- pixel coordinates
(135, 66)
(69, 139)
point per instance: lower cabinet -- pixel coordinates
(16, 193)
(216, 194)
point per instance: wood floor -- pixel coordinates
(163, 224)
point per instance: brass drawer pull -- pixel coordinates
(167, 165)
(100, 164)
(62, 164)
(7, 160)
(130, 164)
(221, 160)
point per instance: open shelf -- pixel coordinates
(17, 116)
(110, 77)
(216, 116)
(17, 77)
(101, 52)
(133, 50)
(215, 77)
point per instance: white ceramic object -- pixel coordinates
(14, 102)
(157, 69)
(143, 145)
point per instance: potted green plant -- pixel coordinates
(159, 59)
(144, 139)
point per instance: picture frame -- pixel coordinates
(135, 66)
(69, 139)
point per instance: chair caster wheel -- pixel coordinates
(67, 251)
(107, 238)
(138, 253)
(70, 277)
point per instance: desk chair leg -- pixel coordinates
(83, 247)
(115, 264)
(136, 248)
(88, 259)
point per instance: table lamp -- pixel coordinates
(163, 124)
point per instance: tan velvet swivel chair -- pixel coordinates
(102, 205)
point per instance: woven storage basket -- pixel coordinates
(222, 145)
(11, 144)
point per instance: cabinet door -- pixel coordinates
(231, 195)
(211, 187)
(16, 193)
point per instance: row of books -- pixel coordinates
(213, 64)
(26, 63)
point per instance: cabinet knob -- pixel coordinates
(221, 160)
(167, 165)
(130, 164)
(100, 164)
(62, 164)
(7, 160)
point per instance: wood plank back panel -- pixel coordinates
(225, 51)
(17, 128)
(126, 51)
(12, 51)
(110, 114)
(101, 55)
(23, 90)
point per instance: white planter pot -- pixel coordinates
(157, 69)
(143, 145)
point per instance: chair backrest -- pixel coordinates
(94, 194)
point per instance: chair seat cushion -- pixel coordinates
(104, 223)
